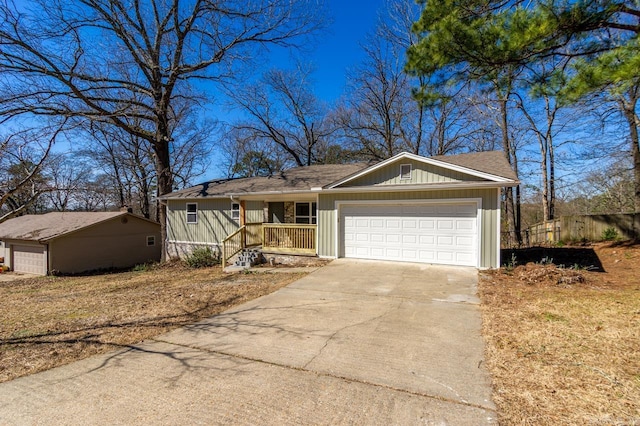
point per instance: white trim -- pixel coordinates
(237, 220)
(154, 240)
(186, 212)
(406, 155)
(496, 264)
(317, 224)
(439, 186)
(291, 195)
(477, 201)
(197, 243)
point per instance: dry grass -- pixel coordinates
(565, 351)
(49, 321)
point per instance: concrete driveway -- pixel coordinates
(356, 342)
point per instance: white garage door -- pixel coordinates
(429, 233)
(29, 259)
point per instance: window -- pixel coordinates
(306, 213)
(151, 240)
(235, 211)
(405, 171)
(192, 213)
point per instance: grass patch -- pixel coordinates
(565, 354)
(51, 321)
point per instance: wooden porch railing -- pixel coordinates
(289, 238)
(249, 235)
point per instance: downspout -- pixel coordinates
(48, 265)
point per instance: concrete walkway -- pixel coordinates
(355, 342)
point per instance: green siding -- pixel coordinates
(420, 173)
(214, 220)
(488, 247)
(254, 211)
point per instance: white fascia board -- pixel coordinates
(407, 155)
(310, 194)
(247, 195)
(422, 187)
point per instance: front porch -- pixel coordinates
(280, 238)
(288, 227)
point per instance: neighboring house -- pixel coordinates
(443, 210)
(74, 242)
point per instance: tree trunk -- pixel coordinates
(510, 211)
(165, 181)
(630, 116)
(416, 149)
(552, 184)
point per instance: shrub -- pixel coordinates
(202, 257)
(145, 267)
(610, 234)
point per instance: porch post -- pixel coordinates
(243, 222)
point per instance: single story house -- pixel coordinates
(441, 210)
(75, 242)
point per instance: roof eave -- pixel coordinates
(249, 194)
(424, 187)
(373, 188)
(426, 160)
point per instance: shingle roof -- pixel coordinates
(492, 162)
(43, 227)
(319, 176)
(296, 179)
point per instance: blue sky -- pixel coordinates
(338, 49)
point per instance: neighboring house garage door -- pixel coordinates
(29, 259)
(429, 233)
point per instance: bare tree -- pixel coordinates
(282, 112)
(375, 113)
(67, 175)
(22, 155)
(132, 63)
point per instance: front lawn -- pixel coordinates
(50, 321)
(563, 347)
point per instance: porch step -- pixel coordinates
(248, 258)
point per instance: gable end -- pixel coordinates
(410, 172)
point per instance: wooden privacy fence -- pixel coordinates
(584, 227)
(289, 238)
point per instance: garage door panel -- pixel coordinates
(377, 252)
(377, 223)
(429, 240)
(409, 223)
(465, 224)
(427, 224)
(409, 239)
(433, 233)
(377, 238)
(393, 238)
(362, 237)
(393, 253)
(445, 225)
(445, 241)
(393, 224)
(464, 241)
(445, 256)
